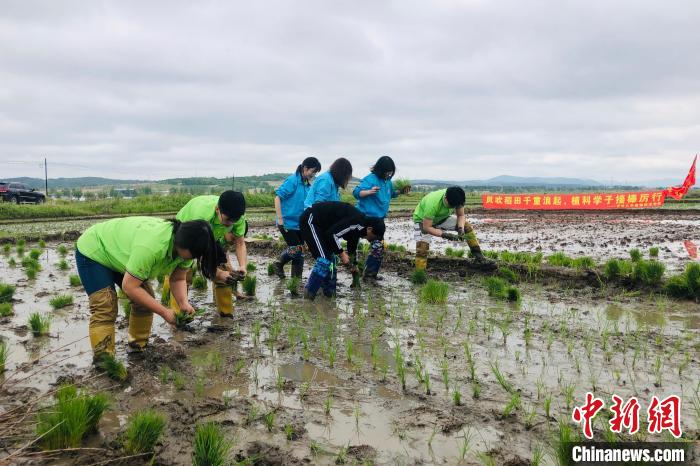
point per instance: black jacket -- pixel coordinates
(338, 220)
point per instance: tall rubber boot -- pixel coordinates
(103, 314)
(281, 262)
(316, 278)
(374, 260)
(329, 284)
(140, 322)
(223, 298)
(298, 262)
(422, 248)
(172, 303)
(165, 292)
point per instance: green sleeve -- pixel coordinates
(238, 228)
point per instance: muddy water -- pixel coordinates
(575, 341)
(599, 235)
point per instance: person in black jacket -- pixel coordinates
(323, 226)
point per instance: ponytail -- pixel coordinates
(197, 237)
(309, 162)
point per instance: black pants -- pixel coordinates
(318, 246)
(291, 237)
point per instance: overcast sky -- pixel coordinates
(450, 89)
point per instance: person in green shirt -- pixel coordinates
(433, 217)
(226, 217)
(130, 252)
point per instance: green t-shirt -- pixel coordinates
(141, 246)
(432, 207)
(204, 208)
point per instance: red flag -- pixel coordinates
(691, 248)
(678, 192)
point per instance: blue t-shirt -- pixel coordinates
(324, 189)
(292, 193)
(376, 205)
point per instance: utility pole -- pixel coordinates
(46, 178)
(233, 180)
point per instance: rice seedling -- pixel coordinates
(562, 443)
(426, 382)
(568, 392)
(6, 293)
(476, 389)
(42, 244)
(249, 284)
(30, 273)
(648, 272)
(513, 294)
(199, 282)
(486, 459)
(20, 250)
(537, 455)
(199, 385)
(559, 259)
(4, 353)
(349, 350)
(445, 372)
(304, 390)
(271, 269)
(21, 242)
(39, 324)
(328, 404)
(358, 414)
(269, 420)
(289, 431)
(164, 294)
(418, 277)
(293, 284)
(434, 292)
(114, 368)
(62, 250)
(35, 254)
(61, 301)
(342, 455)
(507, 386)
(654, 252)
(250, 267)
(62, 265)
(74, 280)
(512, 405)
(401, 184)
(73, 415)
(12, 263)
(617, 269)
(332, 351)
(6, 248)
(253, 414)
(456, 397)
(658, 371)
(143, 431)
(238, 367)
(165, 375)
(210, 446)
(178, 381)
(255, 332)
(548, 406)
(584, 262)
(465, 445)
(6, 309)
(496, 287)
(635, 255)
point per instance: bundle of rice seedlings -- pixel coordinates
(143, 431)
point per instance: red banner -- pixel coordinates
(585, 201)
(588, 201)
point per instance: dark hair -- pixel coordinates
(309, 162)
(377, 225)
(384, 165)
(196, 236)
(232, 204)
(455, 196)
(341, 171)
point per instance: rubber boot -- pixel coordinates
(223, 298)
(374, 261)
(297, 264)
(165, 292)
(281, 262)
(140, 321)
(103, 314)
(422, 248)
(329, 284)
(316, 278)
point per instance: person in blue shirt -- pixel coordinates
(373, 194)
(289, 205)
(325, 188)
